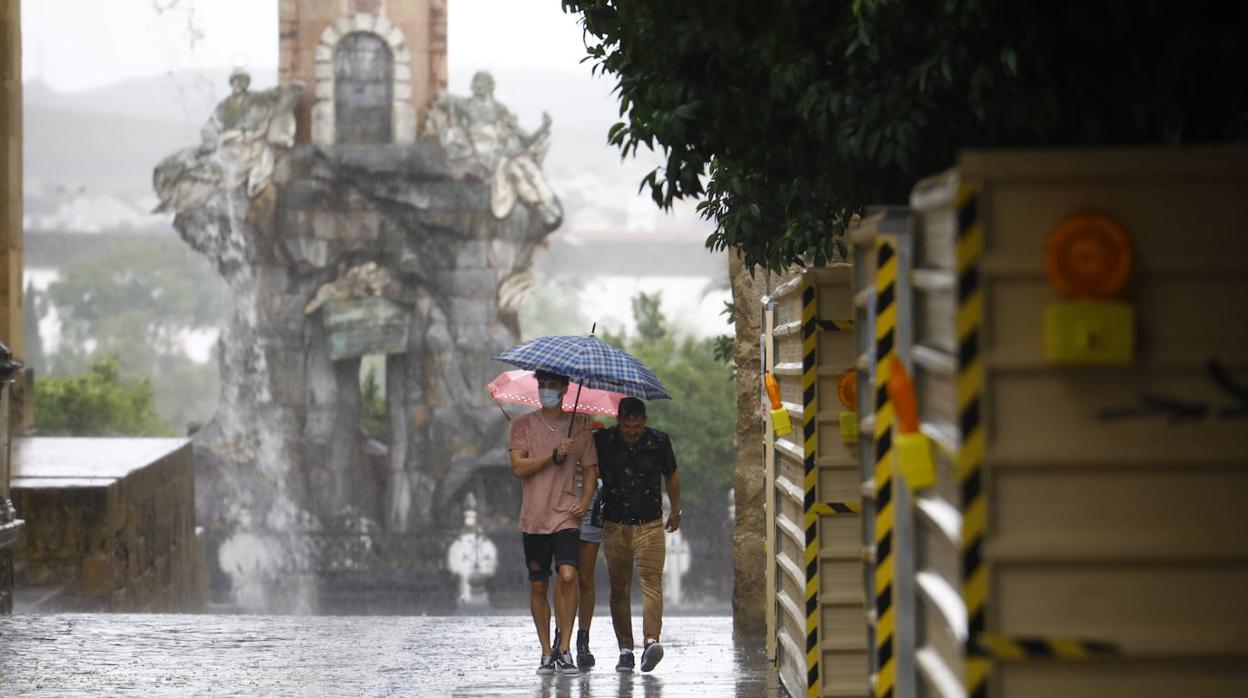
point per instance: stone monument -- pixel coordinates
(371, 239)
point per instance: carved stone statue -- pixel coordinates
(238, 146)
(360, 281)
(478, 132)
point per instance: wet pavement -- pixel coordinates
(322, 656)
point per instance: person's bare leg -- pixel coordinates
(565, 605)
(585, 574)
(539, 605)
(588, 558)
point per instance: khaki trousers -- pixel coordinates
(647, 546)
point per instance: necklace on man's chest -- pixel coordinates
(543, 418)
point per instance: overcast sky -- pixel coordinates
(80, 44)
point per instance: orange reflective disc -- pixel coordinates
(1088, 256)
(773, 390)
(901, 394)
(847, 390)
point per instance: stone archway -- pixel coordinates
(324, 112)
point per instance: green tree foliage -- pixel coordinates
(98, 402)
(373, 419)
(554, 309)
(35, 306)
(138, 303)
(789, 116)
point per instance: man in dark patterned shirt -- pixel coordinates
(634, 461)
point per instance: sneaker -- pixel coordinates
(554, 643)
(564, 664)
(584, 658)
(626, 663)
(652, 655)
(547, 666)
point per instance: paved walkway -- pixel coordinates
(323, 656)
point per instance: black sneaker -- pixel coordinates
(548, 661)
(652, 655)
(626, 663)
(584, 658)
(547, 666)
(564, 664)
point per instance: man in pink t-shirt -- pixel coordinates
(546, 460)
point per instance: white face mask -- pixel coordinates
(549, 397)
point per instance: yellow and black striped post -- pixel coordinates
(810, 444)
(885, 348)
(1002, 648)
(970, 385)
(836, 325)
(837, 508)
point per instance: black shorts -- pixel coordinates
(564, 546)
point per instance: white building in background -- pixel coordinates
(78, 208)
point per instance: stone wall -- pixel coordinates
(110, 524)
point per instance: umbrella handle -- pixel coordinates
(575, 405)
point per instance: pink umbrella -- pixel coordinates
(520, 387)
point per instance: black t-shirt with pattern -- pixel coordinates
(632, 488)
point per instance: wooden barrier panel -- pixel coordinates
(819, 637)
(1083, 536)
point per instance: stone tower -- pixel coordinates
(358, 210)
(371, 68)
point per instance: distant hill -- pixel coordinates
(182, 96)
(103, 150)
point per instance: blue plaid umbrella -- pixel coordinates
(589, 362)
